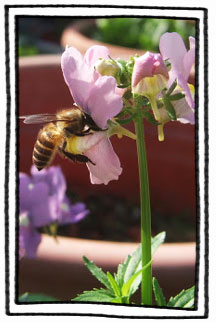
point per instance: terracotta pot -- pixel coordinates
(73, 36)
(171, 163)
(59, 271)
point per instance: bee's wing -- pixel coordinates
(39, 118)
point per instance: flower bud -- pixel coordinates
(148, 65)
(107, 67)
(150, 74)
(150, 86)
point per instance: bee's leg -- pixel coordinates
(75, 157)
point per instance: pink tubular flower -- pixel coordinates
(148, 65)
(173, 48)
(95, 95)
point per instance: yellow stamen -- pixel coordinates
(160, 133)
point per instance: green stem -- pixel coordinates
(146, 285)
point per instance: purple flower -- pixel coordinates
(29, 238)
(173, 48)
(41, 195)
(71, 214)
(43, 202)
(96, 95)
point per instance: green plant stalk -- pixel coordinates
(146, 284)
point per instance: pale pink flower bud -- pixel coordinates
(148, 65)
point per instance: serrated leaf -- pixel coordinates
(119, 277)
(159, 296)
(157, 241)
(31, 297)
(135, 261)
(170, 109)
(133, 264)
(96, 295)
(114, 285)
(136, 257)
(185, 299)
(97, 272)
(127, 287)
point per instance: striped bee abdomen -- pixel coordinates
(45, 147)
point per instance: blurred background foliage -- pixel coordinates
(41, 35)
(143, 33)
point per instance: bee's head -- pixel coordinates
(91, 123)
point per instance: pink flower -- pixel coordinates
(96, 95)
(148, 65)
(173, 48)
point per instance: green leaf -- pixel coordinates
(185, 299)
(119, 277)
(157, 241)
(96, 295)
(125, 121)
(31, 297)
(114, 285)
(170, 109)
(176, 97)
(97, 272)
(122, 299)
(172, 87)
(149, 117)
(134, 262)
(141, 100)
(127, 287)
(127, 95)
(159, 296)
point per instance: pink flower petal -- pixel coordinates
(94, 53)
(184, 113)
(107, 166)
(148, 65)
(189, 58)
(172, 47)
(184, 85)
(84, 143)
(103, 102)
(77, 74)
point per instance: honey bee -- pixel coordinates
(53, 136)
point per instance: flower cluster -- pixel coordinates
(43, 202)
(100, 86)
